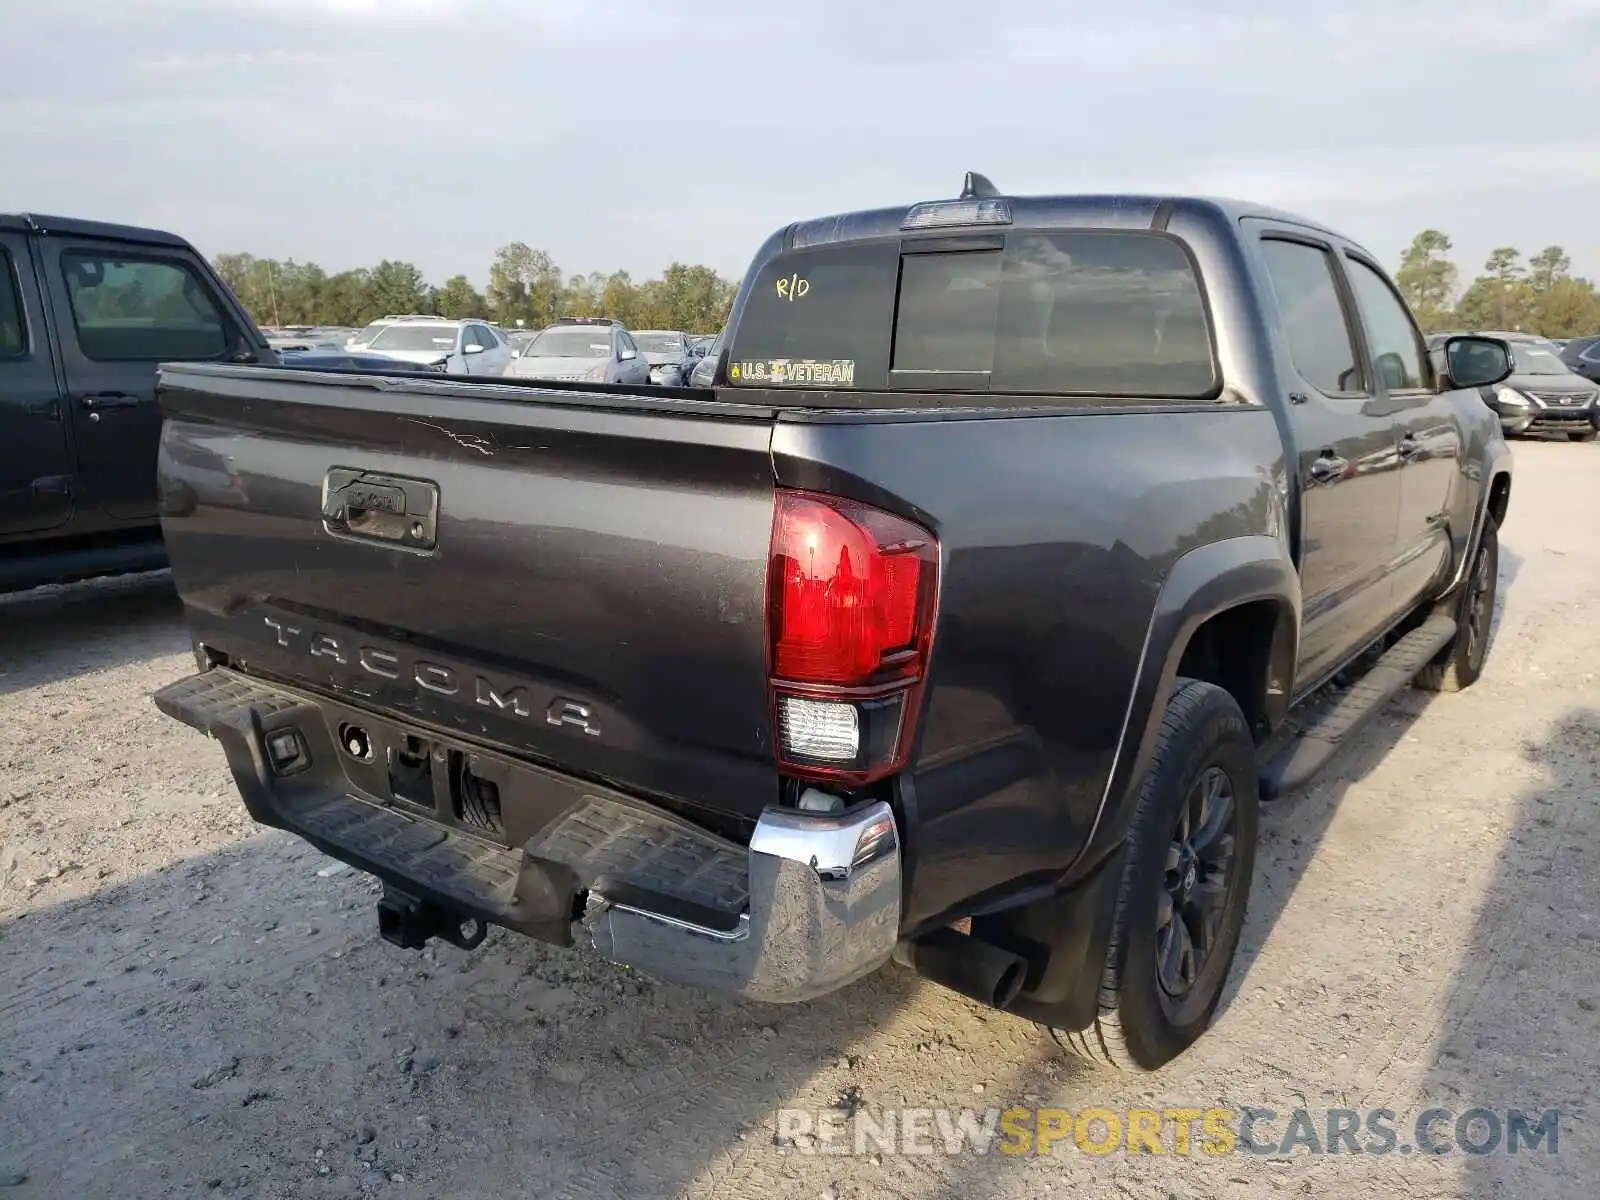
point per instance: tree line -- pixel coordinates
(1540, 296)
(525, 287)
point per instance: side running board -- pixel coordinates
(1294, 765)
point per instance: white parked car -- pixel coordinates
(453, 347)
(590, 349)
(362, 338)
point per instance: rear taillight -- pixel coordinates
(851, 598)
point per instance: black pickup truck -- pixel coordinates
(87, 312)
(960, 623)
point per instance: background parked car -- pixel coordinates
(590, 349)
(1582, 356)
(363, 339)
(705, 368)
(1541, 395)
(350, 360)
(457, 347)
(667, 351)
(309, 340)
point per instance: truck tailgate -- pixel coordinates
(579, 581)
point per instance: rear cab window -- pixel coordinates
(1026, 313)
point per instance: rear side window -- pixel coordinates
(1104, 314)
(13, 328)
(141, 309)
(1085, 312)
(1313, 318)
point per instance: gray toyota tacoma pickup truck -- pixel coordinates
(960, 622)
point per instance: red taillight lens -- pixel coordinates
(848, 594)
(852, 592)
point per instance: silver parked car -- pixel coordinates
(668, 352)
(705, 366)
(587, 349)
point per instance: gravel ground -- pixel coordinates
(190, 1006)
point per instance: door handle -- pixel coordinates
(1409, 447)
(1329, 468)
(93, 401)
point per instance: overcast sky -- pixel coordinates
(627, 133)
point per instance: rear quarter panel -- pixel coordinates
(1058, 534)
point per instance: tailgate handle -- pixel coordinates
(386, 509)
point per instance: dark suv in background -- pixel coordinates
(1543, 394)
(1582, 356)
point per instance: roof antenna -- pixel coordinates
(977, 187)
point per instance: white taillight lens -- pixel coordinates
(819, 729)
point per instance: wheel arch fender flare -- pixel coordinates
(1498, 468)
(1206, 582)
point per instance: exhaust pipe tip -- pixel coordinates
(1009, 983)
(976, 969)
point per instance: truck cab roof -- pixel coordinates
(37, 223)
(1094, 210)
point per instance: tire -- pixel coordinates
(1461, 662)
(1142, 1024)
(1587, 435)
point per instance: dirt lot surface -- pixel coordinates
(191, 1006)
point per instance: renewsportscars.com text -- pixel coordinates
(1203, 1132)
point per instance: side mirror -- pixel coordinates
(1472, 362)
(515, 353)
(472, 349)
(629, 355)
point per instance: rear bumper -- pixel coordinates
(810, 905)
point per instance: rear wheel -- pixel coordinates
(1461, 662)
(1587, 435)
(1185, 882)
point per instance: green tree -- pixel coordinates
(583, 296)
(345, 299)
(1547, 268)
(396, 287)
(524, 284)
(1427, 279)
(298, 287)
(693, 298)
(458, 298)
(1500, 298)
(1568, 307)
(619, 299)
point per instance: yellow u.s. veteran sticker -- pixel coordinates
(796, 372)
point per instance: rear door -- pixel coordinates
(120, 310)
(35, 454)
(1345, 441)
(1429, 440)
